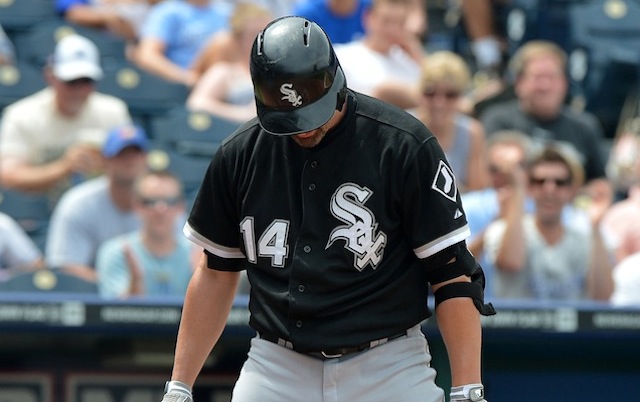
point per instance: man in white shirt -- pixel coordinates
(51, 139)
(387, 59)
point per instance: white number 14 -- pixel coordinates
(272, 243)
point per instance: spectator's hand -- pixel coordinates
(84, 159)
(600, 197)
(136, 287)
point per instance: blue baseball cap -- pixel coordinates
(120, 138)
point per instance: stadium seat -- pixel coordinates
(31, 211)
(18, 81)
(37, 44)
(20, 15)
(146, 94)
(191, 132)
(604, 55)
(190, 169)
(47, 280)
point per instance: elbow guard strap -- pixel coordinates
(473, 290)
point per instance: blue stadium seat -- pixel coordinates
(38, 43)
(20, 15)
(31, 211)
(605, 55)
(47, 280)
(191, 132)
(18, 81)
(190, 169)
(146, 94)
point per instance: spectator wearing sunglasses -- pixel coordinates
(51, 139)
(97, 210)
(153, 260)
(444, 79)
(537, 255)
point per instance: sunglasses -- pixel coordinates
(449, 95)
(79, 82)
(540, 181)
(168, 201)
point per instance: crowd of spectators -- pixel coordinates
(548, 219)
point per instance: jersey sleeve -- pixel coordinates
(213, 223)
(434, 217)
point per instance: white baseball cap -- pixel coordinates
(76, 57)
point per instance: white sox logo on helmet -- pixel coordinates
(359, 233)
(290, 94)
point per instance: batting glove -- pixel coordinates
(467, 393)
(177, 391)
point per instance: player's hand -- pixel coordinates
(467, 393)
(177, 391)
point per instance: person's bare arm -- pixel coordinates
(459, 324)
(149, 55)
(599, 277)
(89, 16)
(207, 305)
(18, 174)
(512, 252)
(210, 92)
(477, 169)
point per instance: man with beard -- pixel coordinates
(344, 212)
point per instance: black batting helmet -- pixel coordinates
(297, 79)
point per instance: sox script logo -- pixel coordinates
(359, 233)
(290, 94)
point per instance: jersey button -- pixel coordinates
(314, 164)
(301, 288)
(312, 187)
(299, 324)
(307, 249)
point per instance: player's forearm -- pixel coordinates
(203, 319)
(459, 324)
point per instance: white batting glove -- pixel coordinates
(467, 393)
(177, 391)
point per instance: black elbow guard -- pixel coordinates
(473, 290)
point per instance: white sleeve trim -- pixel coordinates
(443, 242)
(213, 248)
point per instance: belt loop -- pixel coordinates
(284, 343)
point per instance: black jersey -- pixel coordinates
(331, 235)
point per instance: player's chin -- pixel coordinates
(309, 141)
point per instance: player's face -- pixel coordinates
(312, 138)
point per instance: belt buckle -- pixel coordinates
(331, 356)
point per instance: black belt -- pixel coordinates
(333, 353)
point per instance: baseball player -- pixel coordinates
(343, 210)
